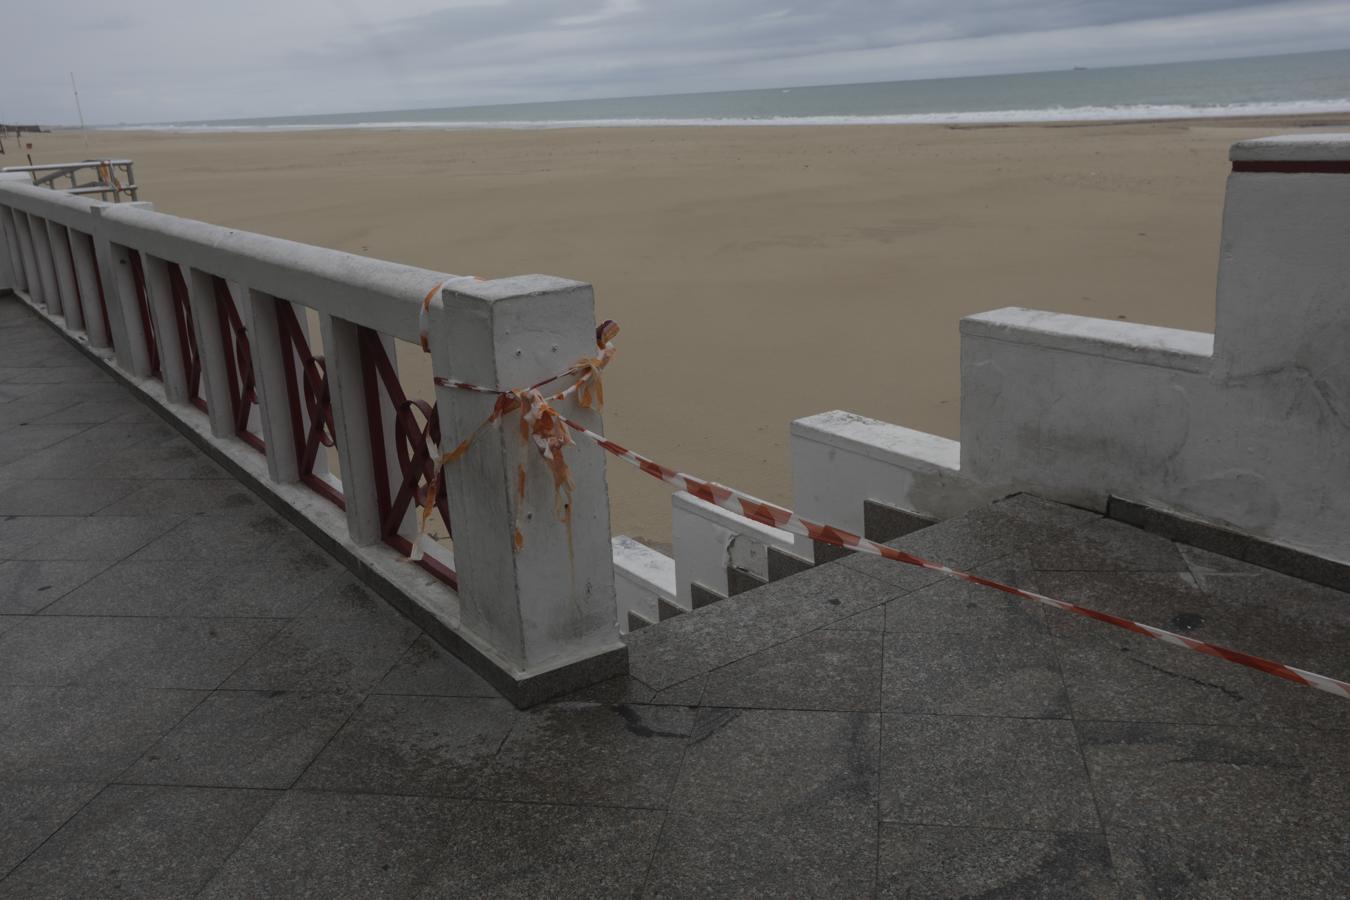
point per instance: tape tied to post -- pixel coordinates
(550, 432)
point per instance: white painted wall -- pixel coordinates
(642, 577)
(708, 538)
(1248, 428)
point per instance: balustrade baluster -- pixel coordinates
(13, 252)
(159, 293)
(42, 251)
(59, 241)
(351, 428)
(211, 351)
(88, 284)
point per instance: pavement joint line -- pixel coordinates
(358, 706)
(471, 798)
(54, 832)
(1077, 732)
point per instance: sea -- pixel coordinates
(1298, 84)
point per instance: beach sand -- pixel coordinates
(760, 273)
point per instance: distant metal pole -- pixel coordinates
(80, 113)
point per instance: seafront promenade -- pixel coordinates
(197, 700)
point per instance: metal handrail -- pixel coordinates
(105, 172)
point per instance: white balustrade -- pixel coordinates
(535, 619)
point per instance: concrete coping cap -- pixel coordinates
(1293, 148)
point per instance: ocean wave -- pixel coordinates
(989, 117)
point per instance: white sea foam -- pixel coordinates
(991, 117)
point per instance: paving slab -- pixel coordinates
(931, 861)
(1176, 779)
(255, 739)
(28, 586)
(271, 587)
(152, 653)
(1215, 866)
(428, 669)
(573, 852)
(180, 497)
(627, 689)
(252, 536)
(414, 745)
(955, 673)
(74, 537)
(1105, 545)
(135, 841)
(94, 412)
(826, 669)
(952, 606)
(355, 846)
(66, 496)
(32, 812)
(1113, 674)
(66, 734)
(623, 755)
(985, 772)
(310, 655)
(779, 760)
(825, 852)
(709, 638)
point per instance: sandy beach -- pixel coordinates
(759, 274)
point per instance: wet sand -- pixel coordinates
(759, 274)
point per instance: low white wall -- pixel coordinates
(642, 578)
(1248, 428)
(840, 460)
(708, 539)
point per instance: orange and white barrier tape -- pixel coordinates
(540, 424)
(549, 432)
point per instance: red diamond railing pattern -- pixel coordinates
(313, 427)
(187, 336)
(143, 305)
(238, 364)
(416, 429)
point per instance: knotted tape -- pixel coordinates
(541, 426)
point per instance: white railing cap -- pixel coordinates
(1293, 148)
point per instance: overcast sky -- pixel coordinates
(160, 60)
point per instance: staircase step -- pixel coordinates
(669, 609)
(702, 597)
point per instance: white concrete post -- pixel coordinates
(259, 313)
(30, 267)
(42, 251)
(351, 424)
(86, 279)
(160, 293)
(119, 292)
(1284, 271)
(211, 349)
(133, 351)
(59, 240)
(552, 601)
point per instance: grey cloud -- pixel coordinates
(155, 60)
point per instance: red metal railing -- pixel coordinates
(187, 336)
(238, 364)
(313, 426)
(143, 306)
(413, 442)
